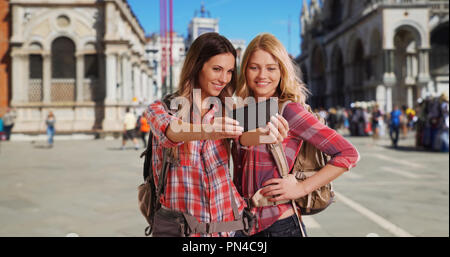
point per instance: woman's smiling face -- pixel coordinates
(263, 74)
(216, 73)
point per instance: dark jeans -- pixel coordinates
(288, 227)
(8, 131)
(394, 131)
(144, 138)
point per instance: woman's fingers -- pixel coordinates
(285, 125)
(275, 133)
(272, 181)
(227, 125)
(267, 190)
(228, 120)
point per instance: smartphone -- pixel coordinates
(255, 115)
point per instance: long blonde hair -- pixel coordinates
(291, 87)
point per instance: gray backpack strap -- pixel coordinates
(281, 110)
(277, 150)
(214, 227)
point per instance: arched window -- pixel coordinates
(63, 58)
(63, 70)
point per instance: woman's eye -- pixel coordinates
(216, 69)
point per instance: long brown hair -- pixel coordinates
(202, 49)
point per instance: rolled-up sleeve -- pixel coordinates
(159, 119)
(304, 125)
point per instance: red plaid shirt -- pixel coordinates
(255, 165)
(201, 183)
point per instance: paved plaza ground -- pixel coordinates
(88, 187)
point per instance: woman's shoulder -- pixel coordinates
(290, 108)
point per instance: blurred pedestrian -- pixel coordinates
(332, 119)
(2, 132)
(144, 128)
(129, 129)
(358, 122)
(411, 116)
(8, 122)
(443, 138)
(404, 122)
(50, 122)
(346, 114)
(377, 116)
(394, 125)
(434, 120)
(367, 125)
(420, 122)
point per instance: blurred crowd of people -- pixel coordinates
(432, 123)
(429, 120)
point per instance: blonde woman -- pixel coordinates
(267, 71)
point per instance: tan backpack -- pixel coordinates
(308, 161)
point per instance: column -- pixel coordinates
(424, 71)
(129, 79)
(99, 91)
(46, 77)
(25, 77)
(136, 79)
(380, 96)
(17, 23)
(409, 96)
(389, 76)
(119, 88)
(80, 78)
(144, 86)
(111, 81)
(409, 79)
(17, 77)
(125, 80)
(388, 99)
(109, 20)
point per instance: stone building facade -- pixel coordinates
(82, 59)
(154, 50)
(389, 51)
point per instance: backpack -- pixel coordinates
(308, 161)
(149, 195)
(148, 192)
